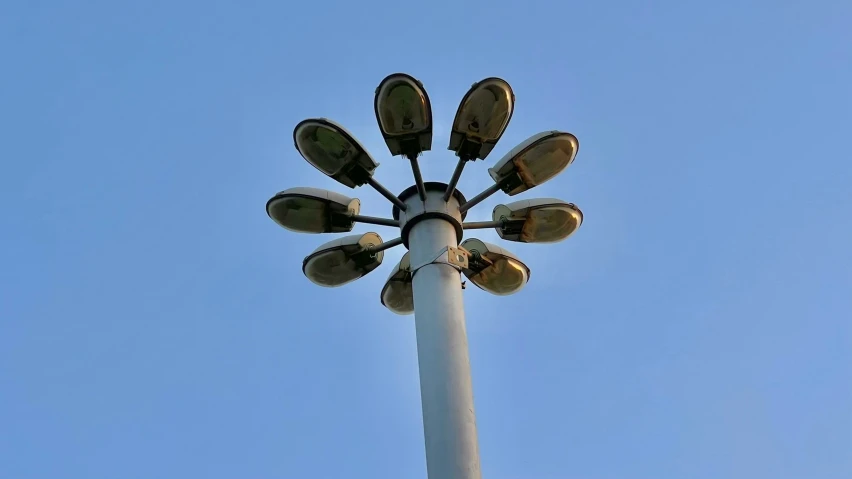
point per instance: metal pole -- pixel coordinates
(449, 421)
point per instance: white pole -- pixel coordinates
(449, 421)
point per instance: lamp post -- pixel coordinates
(430, 218)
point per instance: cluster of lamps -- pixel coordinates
(404, 115)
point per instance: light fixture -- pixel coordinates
(343, 260)
(331, 149)
(494, 269)
(544, 220)
(398, 293)
(536, 160)
(481, 119)
(404, 114)
(434, 221)
(312, 210)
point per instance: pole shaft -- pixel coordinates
(449, 421)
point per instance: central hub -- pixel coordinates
(433, 207)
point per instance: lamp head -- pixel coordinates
(494, 269)
(536, 160)
(481, 119)
(313, 210)
(544, 220)
(331, 149)
(343, 260)
(404, 114)
(397, 293)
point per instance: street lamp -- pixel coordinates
(494, 269)
(331, 149)
(312, 210)
(430, 218)
(534, 161)
(398, 292)
(545, 220)
(343, 260)
(404, 114)
(481, 119)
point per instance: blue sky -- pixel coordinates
(154, 323)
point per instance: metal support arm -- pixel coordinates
(481, 225)
(480, 197)
(372, 220)
(418, 177)
(386, 245)
(451, 187)
(387, 194)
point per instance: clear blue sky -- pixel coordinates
(154, 323)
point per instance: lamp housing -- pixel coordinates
(334, 151)
(482, 116)
(542, 220)
(534, 161)
(398, 292)
(494, 269)
(313, 210)
(404, 114)
(343, 260)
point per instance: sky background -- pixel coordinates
(154, 323)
